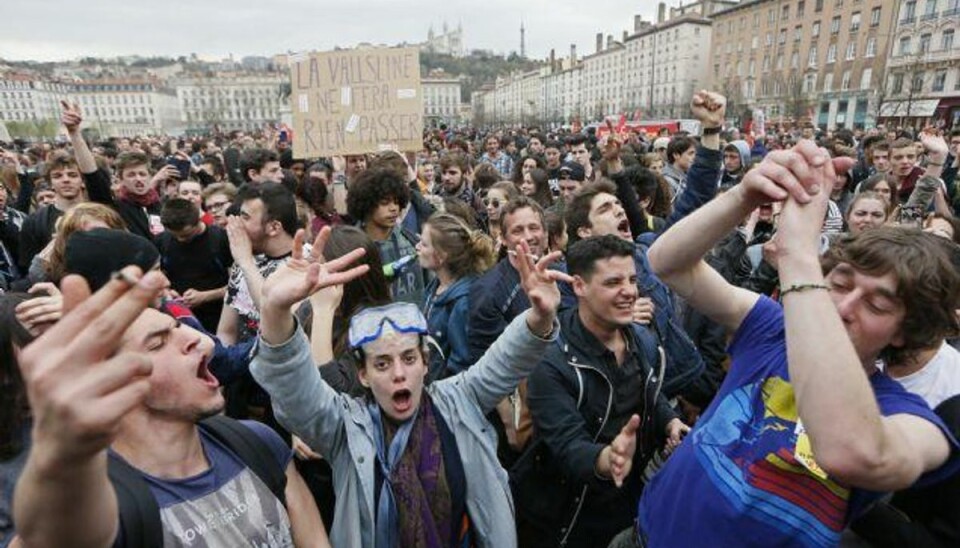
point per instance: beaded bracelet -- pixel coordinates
(802, 287)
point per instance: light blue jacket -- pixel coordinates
(339, 427)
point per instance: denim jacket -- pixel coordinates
(340, 428)
(447, 316)
(684, 363)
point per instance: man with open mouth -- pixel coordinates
(413, 465)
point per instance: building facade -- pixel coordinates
(230, 100)
(665, 64)
(800, 61)
(26, 98)
(923, 71)
(602, 80)
(128, 108)
(441, 100)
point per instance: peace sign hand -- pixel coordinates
(540, 285)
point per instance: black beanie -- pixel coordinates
(96, 254)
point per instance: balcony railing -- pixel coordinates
(951, 12)
(908, 20)
(928, 16)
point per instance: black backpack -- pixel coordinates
(139, 512)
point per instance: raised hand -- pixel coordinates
(643, 310)
(540, 286)
(934, 145)
(709, 107)
(800, 223)
(71, 118)
(78, 386)
(240, 246)
(619, 454)
(40, 312)
(676, 431)
(165, 173)
(782, 173)
(304, 275)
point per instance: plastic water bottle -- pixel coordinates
(391, 269)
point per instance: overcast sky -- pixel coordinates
(50, 30)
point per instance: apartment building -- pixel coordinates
(441, 99)
(127, 107)
(819, 61)
(602, 80)
(923, 70)
(27, 98)
(665, 64)
(244, 101)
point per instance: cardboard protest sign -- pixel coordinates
(356, 101)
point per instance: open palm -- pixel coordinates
(305, 274)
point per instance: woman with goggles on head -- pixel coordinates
(413, 465)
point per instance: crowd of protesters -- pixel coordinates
(512, 337)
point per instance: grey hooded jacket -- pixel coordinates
(339, 427)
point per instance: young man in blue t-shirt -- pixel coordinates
(805, 432)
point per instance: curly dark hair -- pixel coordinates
(373, 187)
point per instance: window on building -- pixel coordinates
(851, 51)
(809, 83)
(832, 54)
(771, 16)
(871, 49)
(875, 17)
(835, 25)
(897, 85)
(818, 6)
(855, 22)
(752, 69)
(815, 29)
(845, 81)
(800, 5)
(946, 43)
(909, 11)
(756, 20)
(931, 9)
(940, 80)
(755, 42)
(797, 33)
(865, 78)
(956, 81)
(924, 43)
(782, 37)
(917, 83)
(812, 56)
(795, 60)
(779, 61)
(904, 45)
(766, 63)
(785, 12)
(769, 40)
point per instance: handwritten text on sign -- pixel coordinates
(356, 101)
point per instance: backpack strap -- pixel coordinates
(250, 449)
(139, 512)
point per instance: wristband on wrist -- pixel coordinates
(711, 131)
(796, 288)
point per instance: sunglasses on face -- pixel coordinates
(495, 202)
